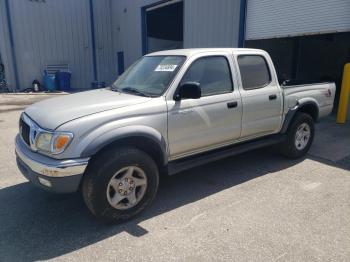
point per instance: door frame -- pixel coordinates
(144, 20)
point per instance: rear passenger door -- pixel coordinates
(261, 97)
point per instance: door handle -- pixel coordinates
(272, 97)
(232, 104)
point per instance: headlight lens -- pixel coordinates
(43, 141)
(54, 143)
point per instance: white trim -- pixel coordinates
(163, 4)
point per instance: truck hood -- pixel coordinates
(51, 113)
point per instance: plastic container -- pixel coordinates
(50, 81)
(63, 80)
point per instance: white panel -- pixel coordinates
(281, 18)
(59, 31)
(106, 57)
(5, 47)
(207, 23)
(210, 23)
(51, 32)
(127, 28)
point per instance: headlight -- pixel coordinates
(43, 141)
(53, 142)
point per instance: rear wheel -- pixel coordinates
(120, 184)
(300, 135)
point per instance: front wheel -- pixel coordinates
(300, 135)
(120, 184)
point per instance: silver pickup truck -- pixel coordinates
(170, 111)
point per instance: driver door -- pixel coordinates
(214, 120)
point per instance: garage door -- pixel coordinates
(283, 18)
(52, 32)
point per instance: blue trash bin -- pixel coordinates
(63, 80)
(50, 81)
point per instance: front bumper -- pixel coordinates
(61, 176)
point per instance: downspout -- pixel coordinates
(12, 43)
(93, 40)
(242, 22)
(144, 30)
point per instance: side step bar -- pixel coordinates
(177, 166)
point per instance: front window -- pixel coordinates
(149, 76)
(212, 73)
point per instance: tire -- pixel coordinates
(109, 173)
(293, 147)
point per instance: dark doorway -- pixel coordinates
(314, 58)
(163, 26)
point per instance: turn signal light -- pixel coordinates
(61, 141)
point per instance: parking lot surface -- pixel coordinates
(257, 206)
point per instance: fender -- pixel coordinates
(292, 111)
(126, 132)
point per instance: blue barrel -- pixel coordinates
(63, 80)
(50, 82)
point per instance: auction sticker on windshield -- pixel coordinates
(168, 68)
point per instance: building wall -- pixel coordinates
(5, 47)
(210, 23)
(271, 18)
(49, 32)
(127, 27)
(106, 54)
(52, 32)
(207, 23)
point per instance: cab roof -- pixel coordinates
(193, 51)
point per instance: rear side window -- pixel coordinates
(213, 73)
(254, 70)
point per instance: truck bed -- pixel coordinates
(321, 93)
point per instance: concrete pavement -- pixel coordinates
(257, 206)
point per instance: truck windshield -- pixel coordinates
(149, 76)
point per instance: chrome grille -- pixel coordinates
(24, 131)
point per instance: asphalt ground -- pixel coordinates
(257, 206)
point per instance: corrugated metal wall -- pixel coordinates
(277, 18)
(48, 32)
(107, 70)
(127, 27)
(210, 23)
(52, 32)
(5, 47)
(207, 23)
(55, 31)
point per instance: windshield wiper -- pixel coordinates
(134, 91)
(114, 88)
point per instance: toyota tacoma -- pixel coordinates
(168, 112)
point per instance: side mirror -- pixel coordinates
(188, 90)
